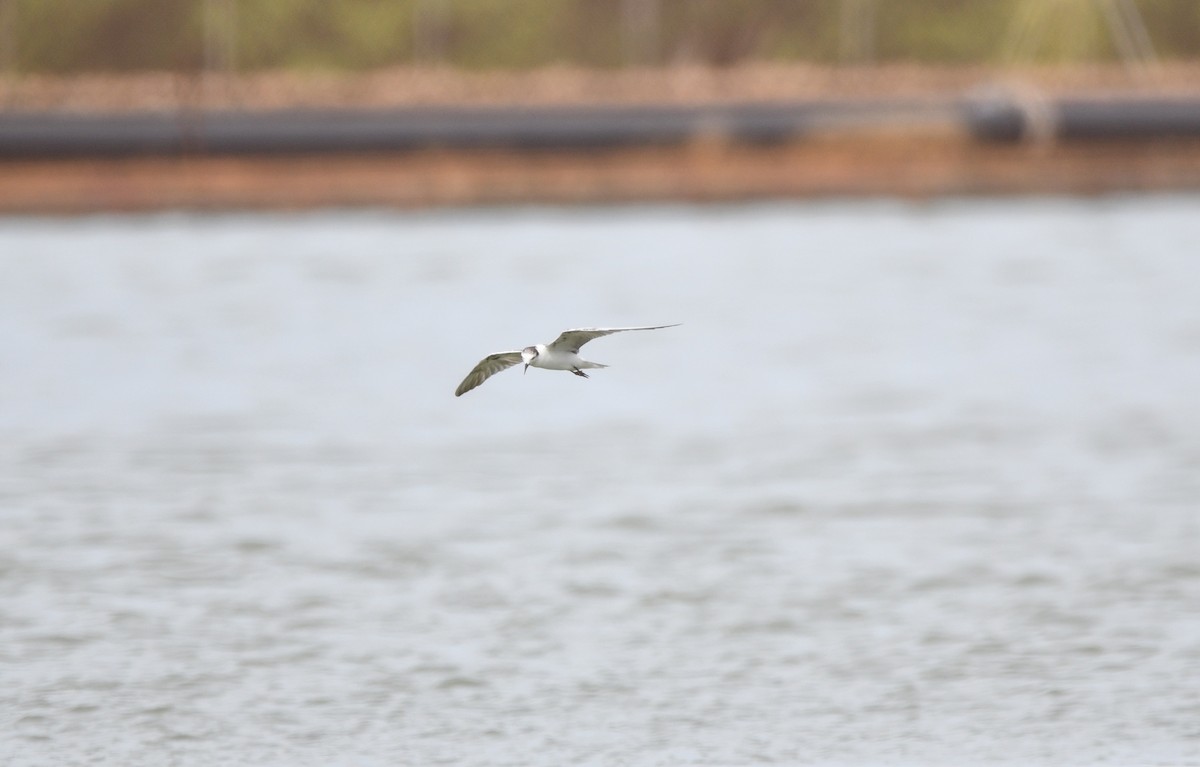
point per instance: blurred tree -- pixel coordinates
(430, 26)
(8, 36)
(220, 35)
(1071, 30)
(317, 34)
(74, 35)
(109, 35)
(951, 31)
(639, 31)
(856, 39)
(1174, 26)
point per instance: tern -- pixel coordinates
(560, 354)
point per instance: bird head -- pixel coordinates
(529, 354)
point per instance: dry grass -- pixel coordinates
(847, 166)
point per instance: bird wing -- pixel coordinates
(571, 340)
(487, 367)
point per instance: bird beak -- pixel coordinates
(526, 370)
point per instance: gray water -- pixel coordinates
(912, 484)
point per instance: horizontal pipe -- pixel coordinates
(1009, 118)
(997, 118)
(318, 131)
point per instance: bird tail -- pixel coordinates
(589, 365)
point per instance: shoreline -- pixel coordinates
(928, 159)
(899, 166)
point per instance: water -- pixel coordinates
(913, 484)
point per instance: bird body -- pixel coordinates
(560, 354)
(550, 358)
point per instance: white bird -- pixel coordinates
(561, 354)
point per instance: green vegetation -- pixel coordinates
(123, 35)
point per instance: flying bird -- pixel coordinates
(560, 354)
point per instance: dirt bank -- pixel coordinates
(878, 162)
(848, 166)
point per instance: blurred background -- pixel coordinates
(251, 35)
(916, 480)
(472, 101)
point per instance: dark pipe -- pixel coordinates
(995, 118)
(1006, 119)
(319, 131)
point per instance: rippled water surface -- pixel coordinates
(913, 484)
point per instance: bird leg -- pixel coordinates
(579, 373)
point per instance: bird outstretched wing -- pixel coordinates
(487, 367)
(571, 340)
